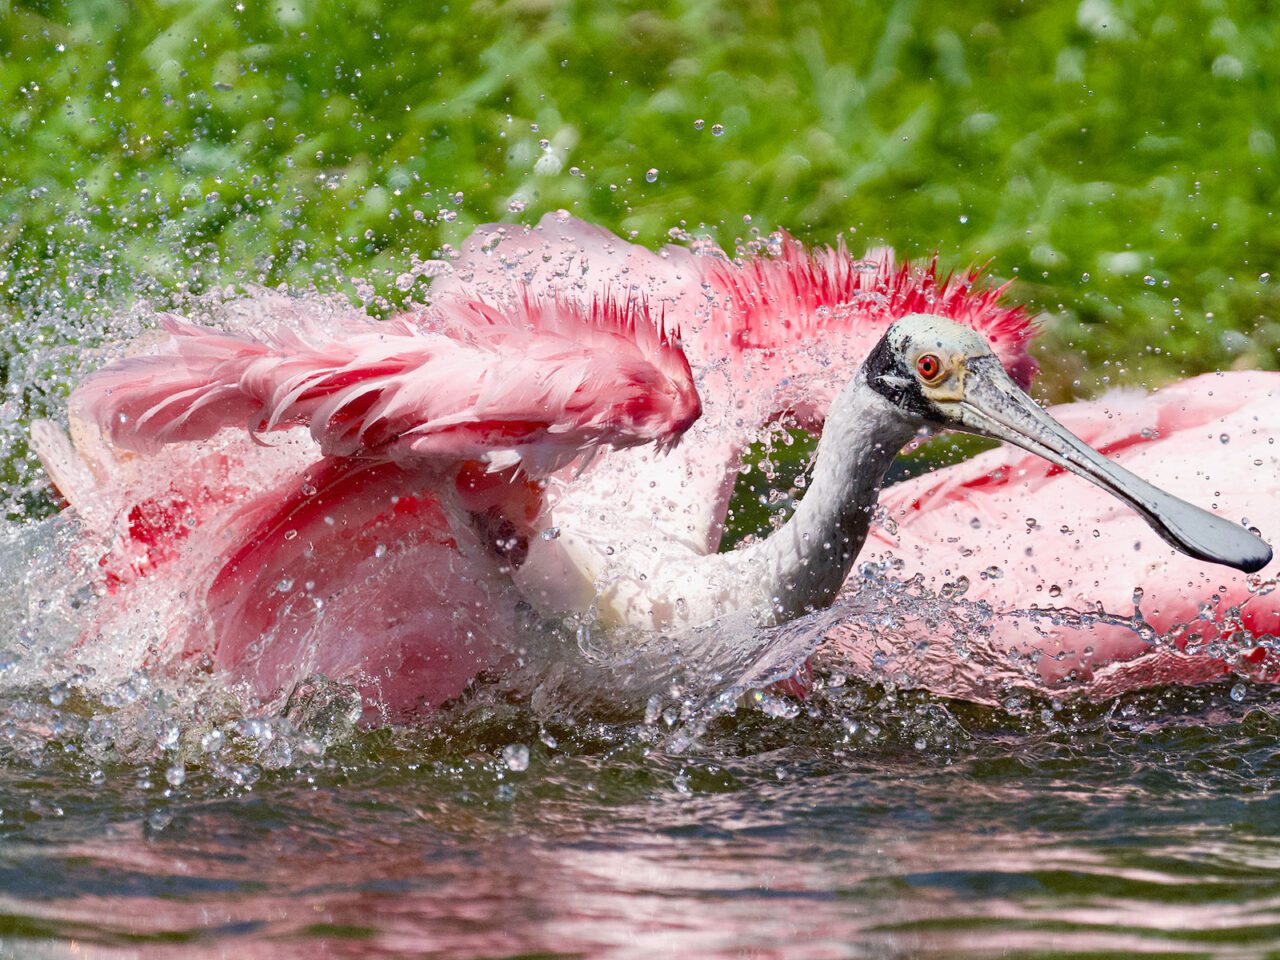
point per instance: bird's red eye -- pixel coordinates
(929, 367)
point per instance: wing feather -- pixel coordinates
(541, 379)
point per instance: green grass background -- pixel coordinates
(1117, 158)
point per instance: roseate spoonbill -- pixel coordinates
(422, 476)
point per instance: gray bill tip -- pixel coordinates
(1203, 535)
(1251, 556)
(1256, 563)
(1248, 555)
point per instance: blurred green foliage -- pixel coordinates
(1118, 157)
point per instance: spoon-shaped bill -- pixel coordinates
(993, 406)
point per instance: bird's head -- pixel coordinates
(943, 374)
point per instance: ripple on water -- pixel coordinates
(871, 823)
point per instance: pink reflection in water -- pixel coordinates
(714, 880)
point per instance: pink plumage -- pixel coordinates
(540, 381)
(320, 492)
(1020, 533)
(793, 296)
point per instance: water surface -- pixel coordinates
(868, 825)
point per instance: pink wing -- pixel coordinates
(795, 323)
(568, 259)
(382, 556)
(538, 384)
(1023, 532)
(354, 570)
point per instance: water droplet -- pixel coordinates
(992, 573)
(1237, 692)
(1264, 277)
(515, 205)
(1225, 438)
(652, 710)
(1014, 704)
(212, 741)
(176, 775)
(699, 124)
(957, 588)
(169, 735)
(1055, 590)
(717, 129)
(516, 756)
(551, 533)
(778, 707)
(1149, 280)
(964, 218)
(651, 175)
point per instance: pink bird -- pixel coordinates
(302, 490)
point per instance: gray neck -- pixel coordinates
(805, 563)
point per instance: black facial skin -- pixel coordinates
(888, 375)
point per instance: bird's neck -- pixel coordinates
(804, 564)
(799, 568)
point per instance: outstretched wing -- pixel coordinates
(426, 435)
(795, 323)
(537, 383)
(780, 313)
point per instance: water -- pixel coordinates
(869, 825)
(152, 815)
